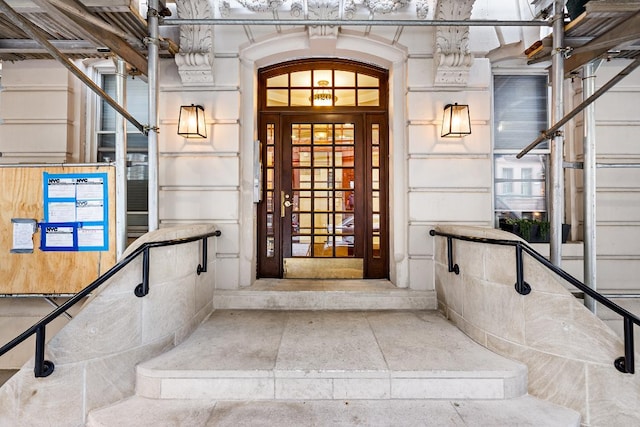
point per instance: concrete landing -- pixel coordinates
(291, 294)
(263, 355)
(330, 368)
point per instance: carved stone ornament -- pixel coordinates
(422, 9)
(385, 6)
(452, 57)
(195, 58)
(319, 10)
(261, 5)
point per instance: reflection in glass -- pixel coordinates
(322, 156)
(271, 246)
(270, 156)
(322, 134)
(301, 156)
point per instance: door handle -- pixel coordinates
(284, 203)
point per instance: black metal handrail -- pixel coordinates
(44, 368)
(624, 363)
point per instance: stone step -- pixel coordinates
(276, 294)
(332, 355)
(143, 412)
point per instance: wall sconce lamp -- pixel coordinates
(191, 122)
(456, 121)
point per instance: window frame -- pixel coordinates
(518, 182)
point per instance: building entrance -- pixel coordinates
(323, 212)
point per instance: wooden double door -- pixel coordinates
(323, 210)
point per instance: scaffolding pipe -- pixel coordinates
(26, 26)
(121, 160)
(603, 89)
(589, 178)
(152, 75)
(556, 208)
(357, 22)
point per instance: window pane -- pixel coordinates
(300, 98)
(520, 186)
(345, 97)
(520, 110)
(277, 97)
(364, 80)
(345, 78)
(322, 78)
(278, 81)
(301, 79)
(368, 97)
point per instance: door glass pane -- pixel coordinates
(322, 202)
(322, 156)
(344, 133)
(300, 134)
(345, 156)
(301, 156)
(323, 178)
(322, 134)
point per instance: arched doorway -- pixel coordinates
(324, 149)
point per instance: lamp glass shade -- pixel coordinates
(191, 122)
(456, 121)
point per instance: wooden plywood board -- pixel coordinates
(43, 272)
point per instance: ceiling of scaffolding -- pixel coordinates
(98, 28)
(606, 29)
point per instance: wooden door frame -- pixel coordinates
(272, 267)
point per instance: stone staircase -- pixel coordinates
(329, 367)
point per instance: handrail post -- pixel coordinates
(42, 368)
(202, 268)
(452, 267)
(143, 288)
(521, 286)
(626, 364)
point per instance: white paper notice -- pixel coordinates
(90, 236)
(61, 188)
(59, 237)
(89, 210)
(89, 188)
(62, 211)
(23, 235)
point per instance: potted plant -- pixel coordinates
(532, 230)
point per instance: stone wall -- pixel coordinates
(96, 353)
(569, 351)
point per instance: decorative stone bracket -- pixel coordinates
(195, 58)
(452, 57)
